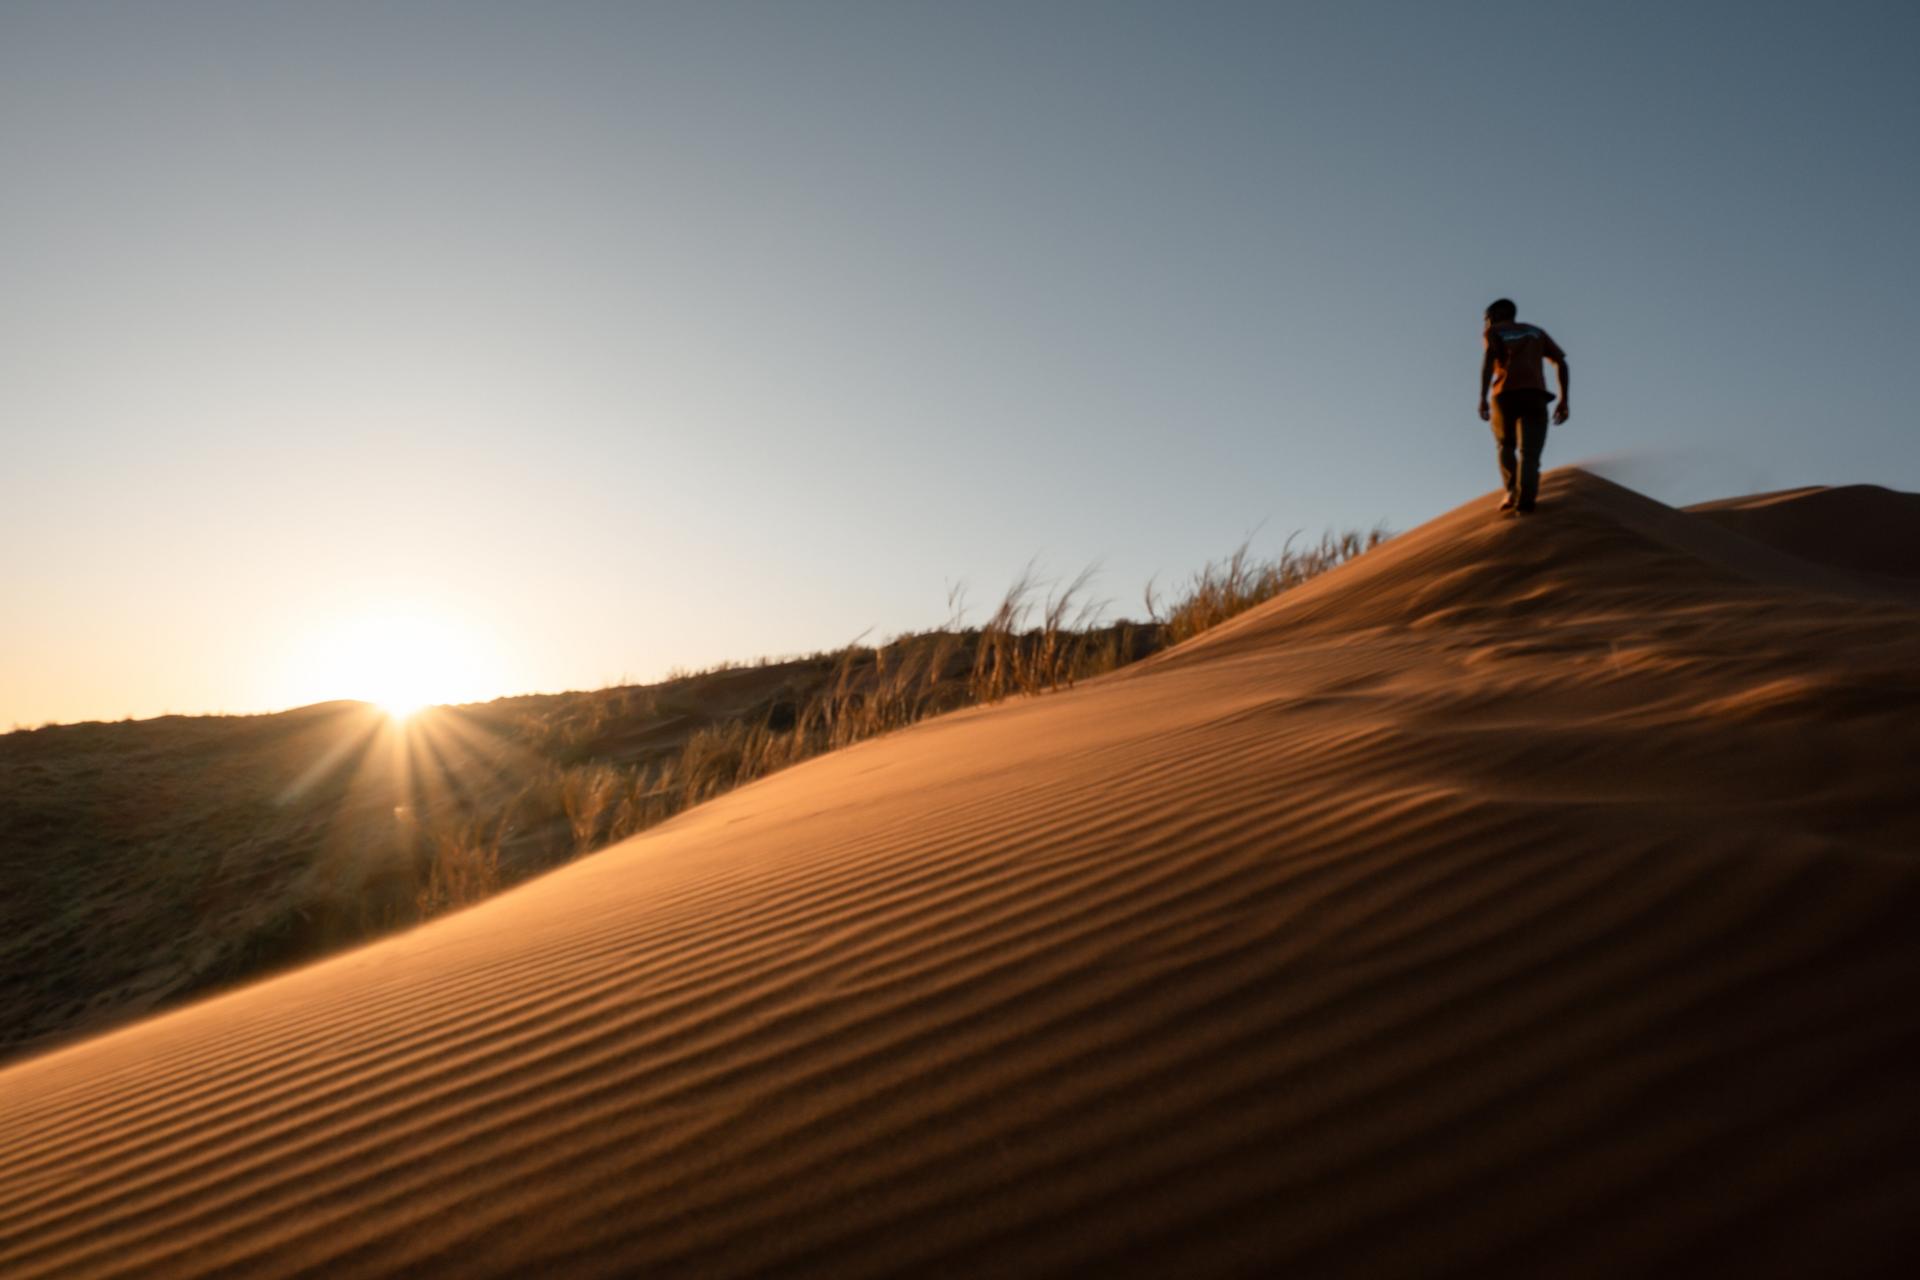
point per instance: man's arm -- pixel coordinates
(1486, 379)
(1559, 358)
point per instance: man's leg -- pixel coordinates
(1505, 438)
(1533, 441)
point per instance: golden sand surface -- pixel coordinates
(1526, 897)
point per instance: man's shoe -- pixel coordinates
(1508, 504)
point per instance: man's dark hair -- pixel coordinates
(1501, 310)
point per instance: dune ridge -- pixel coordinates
(1523, 896)
(1860, 528)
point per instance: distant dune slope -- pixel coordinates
(1859, 527)
(1526, 897)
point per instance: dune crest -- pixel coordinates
(1859, 528)
(1526, 896)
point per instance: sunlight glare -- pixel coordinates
(400, 710)
(400, 659)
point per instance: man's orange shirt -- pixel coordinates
(1518, 350)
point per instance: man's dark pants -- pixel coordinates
(1520, 426)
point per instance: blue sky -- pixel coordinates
(605, 338)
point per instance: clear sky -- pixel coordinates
(574, 341)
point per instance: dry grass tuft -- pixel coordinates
(1016, 656)
(1228, 587)
(463, 869)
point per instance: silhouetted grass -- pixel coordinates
(1228, 587)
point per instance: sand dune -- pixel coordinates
(1862, 528)
(1526, 897)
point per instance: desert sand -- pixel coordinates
(1525, 897)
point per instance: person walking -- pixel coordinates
(1512, 375)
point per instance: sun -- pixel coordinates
(401, 658)
(401, 710)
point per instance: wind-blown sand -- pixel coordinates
(1530, 897)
